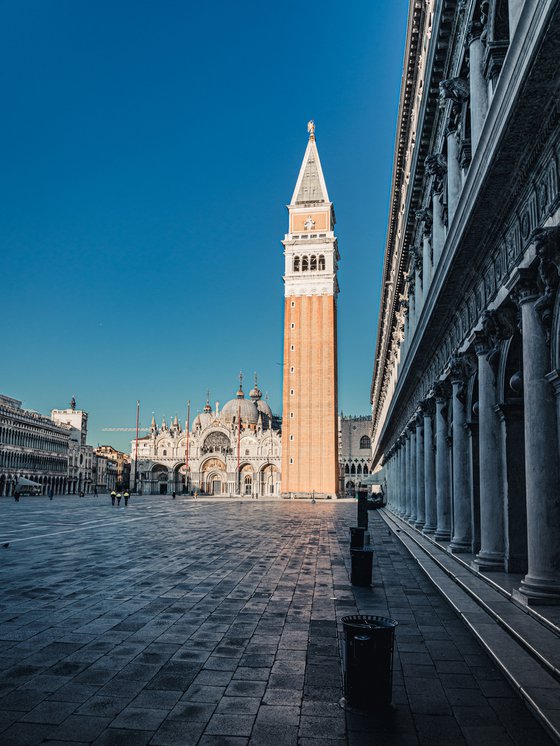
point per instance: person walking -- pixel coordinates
(119, 497)
(113, 496)
(50, 493)
(126, 495)
(174, 494)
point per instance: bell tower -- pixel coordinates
(310, 383)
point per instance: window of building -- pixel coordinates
(292, 348)
(246, 451)
(292, 415)
(321, 262)
(304, 264)
(291, 392)
(293, 304)
(291, 369)
(291, 461)
(291, 437)
(296, 264)
(292, 326)
(313, 263)
(365, 442)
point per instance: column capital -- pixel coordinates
(424, 215)
(435, 165)
(442, 391)
(554, 378)
(474, 31)
(523, 285)
(428, 406)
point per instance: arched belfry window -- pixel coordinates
(321, 262)
(313, 263)
(365, 442)
(296, 264)
(304, 264)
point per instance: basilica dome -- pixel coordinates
(202, 420)
(264, 408)
(240, 407)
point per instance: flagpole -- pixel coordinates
(187, 446)
(136, 446)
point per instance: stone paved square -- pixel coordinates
(218, 622)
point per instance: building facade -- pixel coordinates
(232, 451)
(80, 455)
(32, 447)
(354, 451)
(122, 466)
(310, 385)
(466, 386)
(104, 473)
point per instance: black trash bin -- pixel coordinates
(361, 561)
(368, 661)
(357, 537)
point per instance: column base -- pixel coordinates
(488, 561)
(534, 592)
(419, 524)
(442, 535)
(412, 520)
(428, 529)
(459, 546)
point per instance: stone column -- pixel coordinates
(424, 215)
(542, 582)
(438, 229)
(412, 472)
(461, 540)
(454, 181)
(491, 554)
(406, 469)
(514, 11)
(430, 524)
(402, 499)
(477, 83)
(411, 308)
(420, 506)
(443, 498)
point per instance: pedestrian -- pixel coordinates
(50, 493)
(119, 497)
(95, 491)
(174, 494)
(195, 495)
(126, 496)
(113, 495)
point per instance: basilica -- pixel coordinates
(234, 450)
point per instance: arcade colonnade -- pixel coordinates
(466, 386)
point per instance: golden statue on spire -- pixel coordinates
(311, 129)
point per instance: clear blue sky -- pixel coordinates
(149, 150)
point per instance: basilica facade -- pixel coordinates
(466, 386)
(234, 450)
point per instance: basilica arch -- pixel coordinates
(213, 476)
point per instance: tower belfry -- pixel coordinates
(310, 382)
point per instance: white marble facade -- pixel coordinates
(235, 450)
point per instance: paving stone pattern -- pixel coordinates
(215, 622)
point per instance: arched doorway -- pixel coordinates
(160, 477)
(268, 482)
(213, 473)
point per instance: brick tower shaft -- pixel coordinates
(310, 383)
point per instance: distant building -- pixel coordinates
(80, 455)
(229, 452)
(122, 461)
(104, 473)
(354, 450)
(33, 447)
